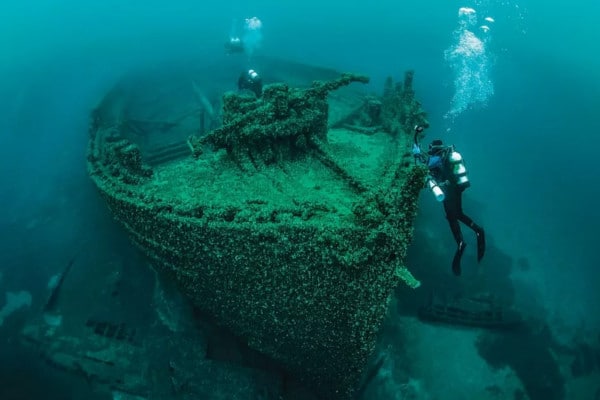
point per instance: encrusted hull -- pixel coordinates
(298, 256)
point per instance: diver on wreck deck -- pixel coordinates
(448, 179)
(250, 80)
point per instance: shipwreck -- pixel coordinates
(286, 218)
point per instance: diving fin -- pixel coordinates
(457, 256)
(480, 244)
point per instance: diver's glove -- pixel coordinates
(416, 150)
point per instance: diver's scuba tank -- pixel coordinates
(435, 189)
(458, 169)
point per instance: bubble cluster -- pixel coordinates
(469, 61)
(252, 37)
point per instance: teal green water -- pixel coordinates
(519, 98)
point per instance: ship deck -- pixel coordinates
(212, 183)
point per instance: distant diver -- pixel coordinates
(249, 41)
(234, 45)
(447, 180)
(250, 80)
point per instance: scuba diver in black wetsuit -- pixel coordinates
(250, 80)
(448, 179)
